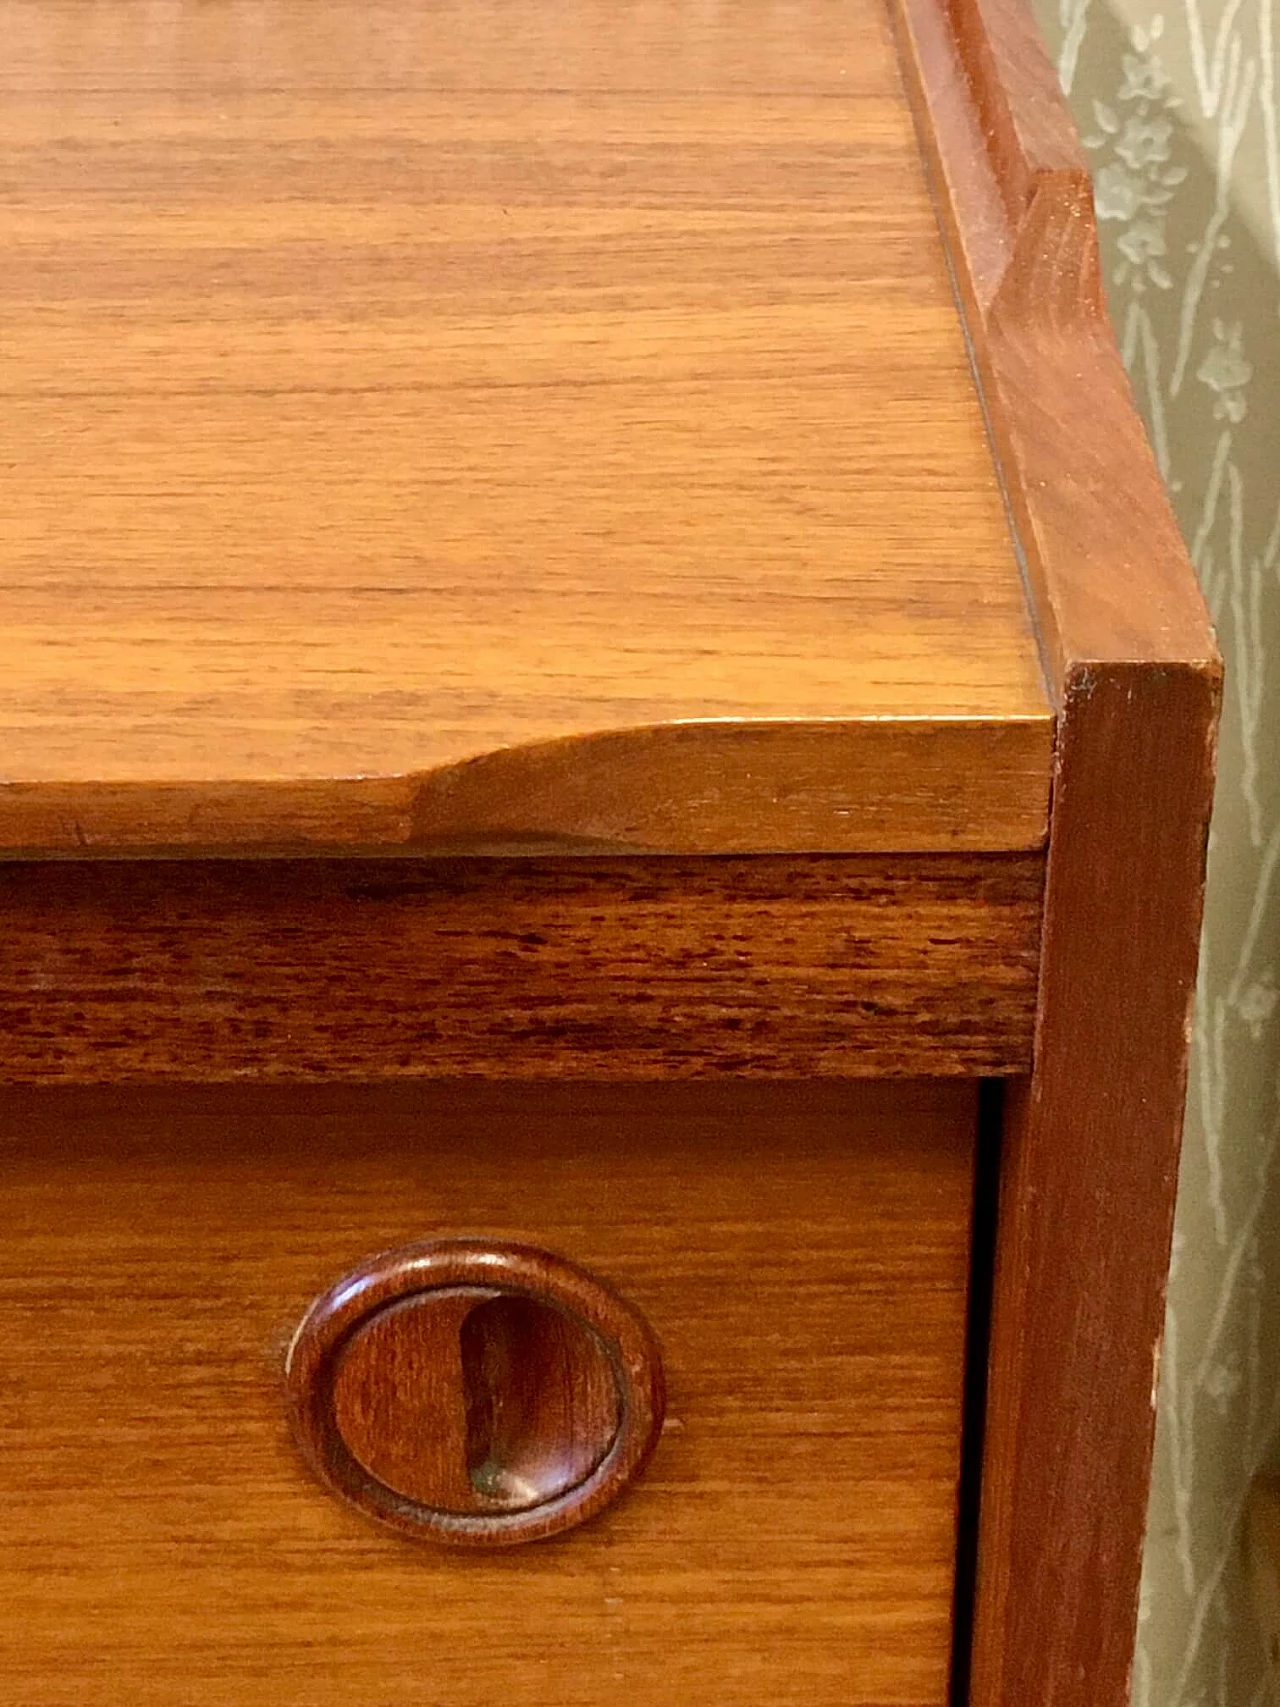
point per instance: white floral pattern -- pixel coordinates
(1225, 371)
(1181, 117)
(1137, 185)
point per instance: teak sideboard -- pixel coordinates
(607, 740)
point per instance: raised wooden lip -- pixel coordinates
(696, 786)
(1109, 580)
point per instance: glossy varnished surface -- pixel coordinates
(389, 385)
(801, 1254)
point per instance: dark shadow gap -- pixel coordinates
(986, 1192)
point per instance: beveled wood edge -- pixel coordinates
(876, 785)
(1091, 1137)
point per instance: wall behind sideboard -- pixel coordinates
(1179, 108)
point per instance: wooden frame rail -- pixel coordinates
(1091, 1137)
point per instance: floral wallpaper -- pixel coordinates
(1177, 105)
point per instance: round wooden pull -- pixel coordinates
(478, 1394)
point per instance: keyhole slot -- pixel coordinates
(542, 1401)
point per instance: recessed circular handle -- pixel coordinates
(474, 1393)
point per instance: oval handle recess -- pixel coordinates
(474, 1393)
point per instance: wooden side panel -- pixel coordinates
(1092, 1137)
(1086, 1207)
(1262, 1548)
(559, 968)
(800, 1251)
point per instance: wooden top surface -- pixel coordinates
(390, 386)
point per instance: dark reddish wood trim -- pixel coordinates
(519, 968)
(1086, 1205)
(1091, 1138)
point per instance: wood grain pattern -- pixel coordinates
(614, 968)
(1091, 1139)
(801, 1250)
(577, 390)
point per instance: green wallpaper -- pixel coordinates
(1179, 113)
